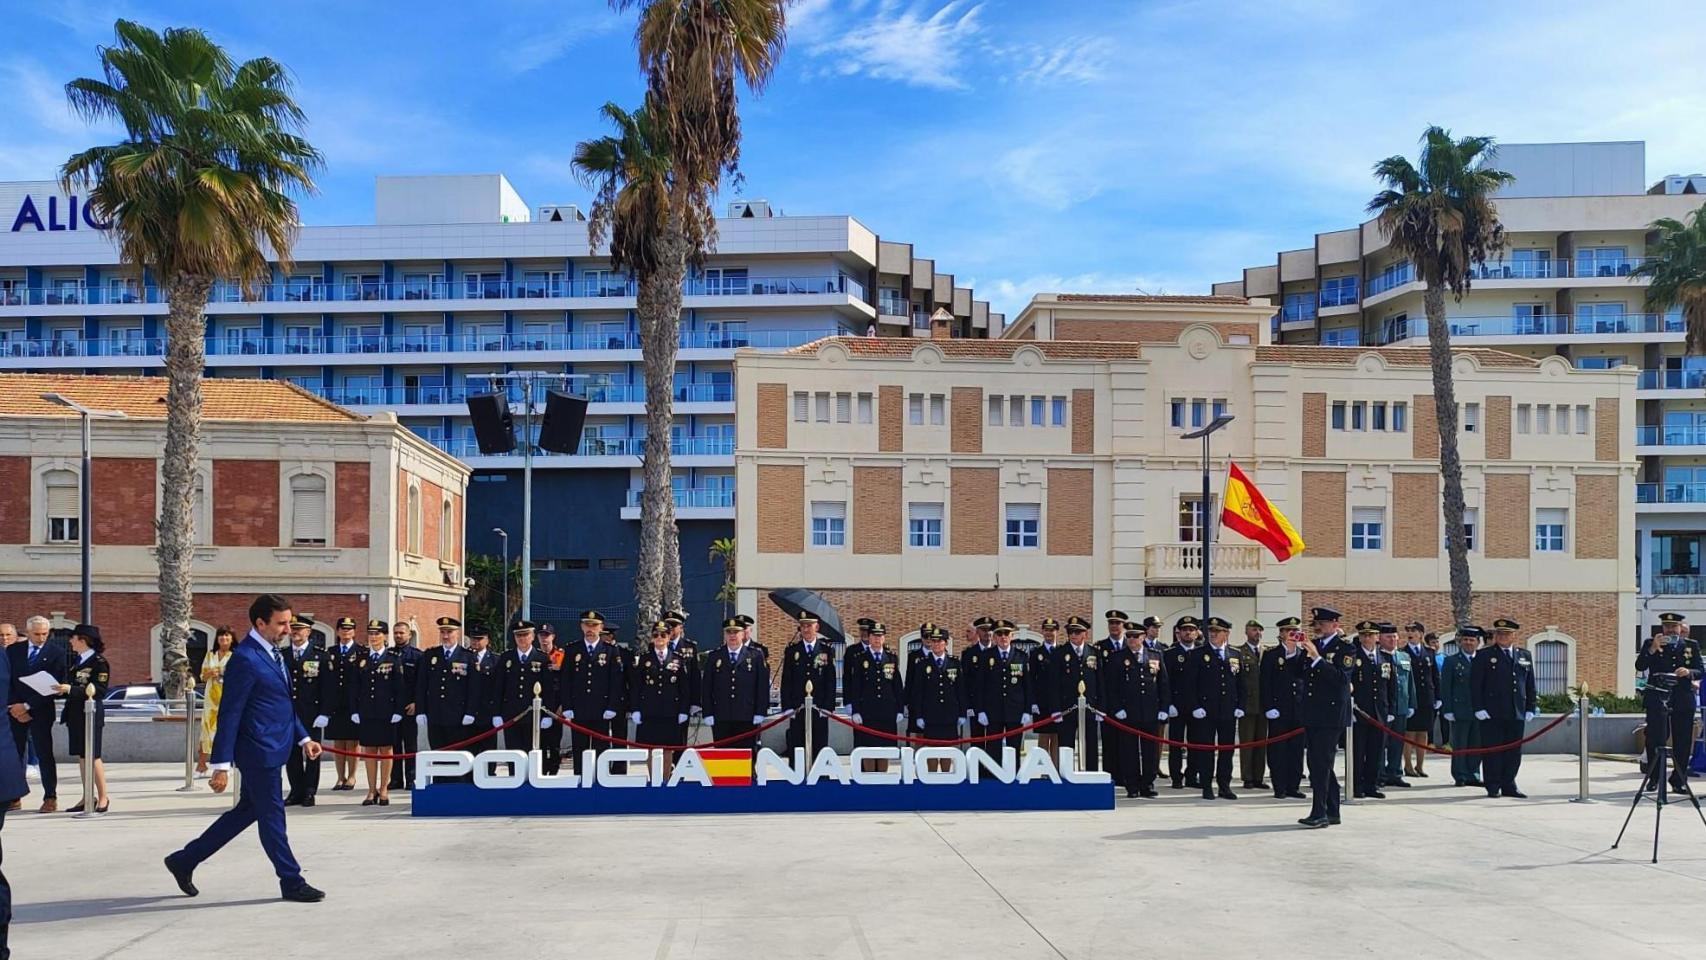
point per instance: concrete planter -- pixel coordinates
(1610, 733)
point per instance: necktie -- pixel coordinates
(278, 662)
(34, 653)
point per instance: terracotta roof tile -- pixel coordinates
(1394, 356)
(1207, 300)
(144, 398)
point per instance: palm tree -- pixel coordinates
(1442, 218)
(723, 550)
(199, 189)
(631, 175)
(1677, 269)
(694, 54)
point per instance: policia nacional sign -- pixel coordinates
(618, 781)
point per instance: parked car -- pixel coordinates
(143, 701)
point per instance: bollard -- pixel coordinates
(1350, 790)
(191, 740)
(1582, 748)
(88, 764)
(810, 721)
(538, 708)
(1083, 708)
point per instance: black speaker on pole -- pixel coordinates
(560, 430)
(494, 430)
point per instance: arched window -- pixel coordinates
(308, 510)
(198, 511)
(414, 544)
(446, 531)
(1551, 666)
(64, 506)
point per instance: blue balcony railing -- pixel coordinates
(693, 497)
(1670, 493)
(1297, 309)
(1647, 435)
(1341, 338)
(1675, 584)
(1672, 380)
(1539, 325)
(1394, 276)
(605, 447)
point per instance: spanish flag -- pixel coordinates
(1247, 512)
(728, 768)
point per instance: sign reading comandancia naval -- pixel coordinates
(512, 782)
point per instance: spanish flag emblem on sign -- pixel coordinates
(728, 768)
(1247, 512)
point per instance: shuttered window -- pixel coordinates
(63, 507)
(308, 510)
(415, 520)
(1551, 666)
(446, 533)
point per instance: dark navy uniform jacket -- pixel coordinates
(800, 665)
(737, 686)
(1323, 695)
(448, 687)
(878, 689)
(1136, 681)
(1684, 654)
(1501, 682)
(593, 679)
(1007, 691)
(513, 680)
(936, 691)
(1216, 688)
(1071, 667)
(1282, 679)
(660, 689)
(376, 686)
(307, 681)
(1372, 682)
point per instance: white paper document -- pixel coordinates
(41, 682)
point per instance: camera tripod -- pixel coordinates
(1656, 780)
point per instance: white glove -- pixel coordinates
(1482, 715)
(1389, 718)
(983, 718)
(320, 721)
(1119, 714)
(1451, 717)
(1438, 704)
(569, 713)
(355, 718)
(1036, 709)
(1099, 719)
(681, 718)
(857, 719)
(467, 719)
(1272, 714)
(970, 713)
(497, 722)
(1410, 712)
(920, 724)
(1238, 713)
(900, 720)
(758, 718)
(1024, 719)
(396, 718)
(1199, 713)
(634, 717)
(544, 723)
(1528, 716)
(1161, 717)
(1172, 711)
(709, 720)
(609, 714)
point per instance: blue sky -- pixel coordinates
(1026, 145)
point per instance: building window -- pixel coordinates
(1016, 411)
(1338, 291)
(1549, 523)
(1582, 420)
(938, 409)
(864, 408)
(1199, 413)
(1190, 519)
(1219, 408)
(822, 405)
(308, 510)
(802, 406)
(995, 409)
(1471, 521)
(1057, 411)
(1359, 415)
(924, 526)
(414, 519)
(1471, 418)
(1037, 405)
(915, 409)
(1024, 525)
(1551, 666)
(1524, 413)
(1400, 417)
(1339, 414)
(829, 524)
(446, 530)
(1177, 418)
(844, 408)
(574, 563)
(1368, 527)
(1378, 410)
(1543, 419)
(64, 507)
(613, 563)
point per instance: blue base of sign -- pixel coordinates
(467, 800)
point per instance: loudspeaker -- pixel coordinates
(560, 430)
(494, 430)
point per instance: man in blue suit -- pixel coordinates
(257, 727)
(12, 787)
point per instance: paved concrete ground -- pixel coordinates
(1432, 872)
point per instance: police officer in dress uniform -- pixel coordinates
(1042, 687)
(1425, 675)
(1007, 697)
(808, 659)
(658, 694)
(1371, 692)
(1502, 685)
(1109, 645)
(1181, 768)
(879, 697)
(851, 671)
(336, 675)
(1671, 653)
(936, 694)
(925, 629)
(1253, 725)
(746, 637)
(1078, 664)
(306, 661)
(1281, 677)
(447, 690)
(736, 687)
(513, 678)
(1216, 695)
(971, 661)
(486, 672)
(688, 650)
(408, 735)
(1402, 706)
(1324, 705)
(551, 738)
(1455, 685)
(1137, 695)
(593, 686)
(375, 705)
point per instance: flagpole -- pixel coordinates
(1207, 546)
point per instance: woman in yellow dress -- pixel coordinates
(213, 684)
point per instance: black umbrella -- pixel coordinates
(797, 600)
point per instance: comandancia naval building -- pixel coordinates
(457, 277)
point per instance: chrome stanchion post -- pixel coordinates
(190, 739)
(88, 764)
(811, 721)
(1350, 790)
(1581, 747)
(1078, 741)
(538, 708)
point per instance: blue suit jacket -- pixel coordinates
(257, 721)
(11, 765)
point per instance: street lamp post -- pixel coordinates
(87, 510)
(505, 602)
(1207, 514)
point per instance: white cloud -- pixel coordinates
(890, 41)
(536, 48)
(1074, 60)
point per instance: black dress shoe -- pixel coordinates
(1375, 795)
(1397, 783)
(1227, 794)
(1459, 783)
(304, 894)
(181, 874)
(1178, 784)
(1149, 793)
(1207, 794)
(293, 801)
(1514, 792)
(1474, 782)
(1258, 785)
(1314, 823)
(1493, 792)
(1333, 819)
(306, 802)
(1131, 794)
(1295, 795)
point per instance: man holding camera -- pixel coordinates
(1672, 662)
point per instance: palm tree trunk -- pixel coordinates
(186, 356)
(1450, 463)
(659, 306)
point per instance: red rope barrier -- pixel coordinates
(1245, 745)
(476, 738)
(926, 741)
(1466, 751)
(618, 741)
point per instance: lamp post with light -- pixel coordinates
(87, 510)
(1207, 515)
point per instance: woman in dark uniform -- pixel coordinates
(376, 706)
(87, 667)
